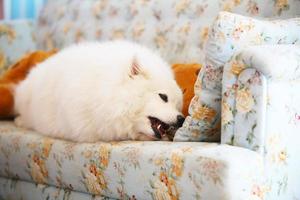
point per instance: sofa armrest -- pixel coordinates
(16, 39)
(276, 62)
(252, 78)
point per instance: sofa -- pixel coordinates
(37, 167)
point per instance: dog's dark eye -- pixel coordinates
(164, 97)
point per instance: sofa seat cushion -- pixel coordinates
(130, 169)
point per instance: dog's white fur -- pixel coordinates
(98, 91)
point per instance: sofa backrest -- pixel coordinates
(176, 28)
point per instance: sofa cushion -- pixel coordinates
(229, 33)
(144, 170)
(176, 28)
(16, 39)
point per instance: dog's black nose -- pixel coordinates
(180, 120)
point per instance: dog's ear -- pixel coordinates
(136, 69)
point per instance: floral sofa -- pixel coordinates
(36, 167)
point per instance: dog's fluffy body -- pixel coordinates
(98, 91)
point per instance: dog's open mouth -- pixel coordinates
(159, 127)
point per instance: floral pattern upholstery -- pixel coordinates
(177, 29)
(260, 111)
(19, 190)
(256, 165)
(130, 170)
(229, 33)
(16, 39)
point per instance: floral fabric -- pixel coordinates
(243, 100)
(229, 33)
(260, 111)
(22, 190)
(16, 39)
(177, 29)
(130, 170)
(33, 166)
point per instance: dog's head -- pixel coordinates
(159, 114)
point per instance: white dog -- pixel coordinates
(100, 91)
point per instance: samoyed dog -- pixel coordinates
(105, 91)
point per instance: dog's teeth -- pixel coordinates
(158, 127)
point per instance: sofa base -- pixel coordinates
(11, 189)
